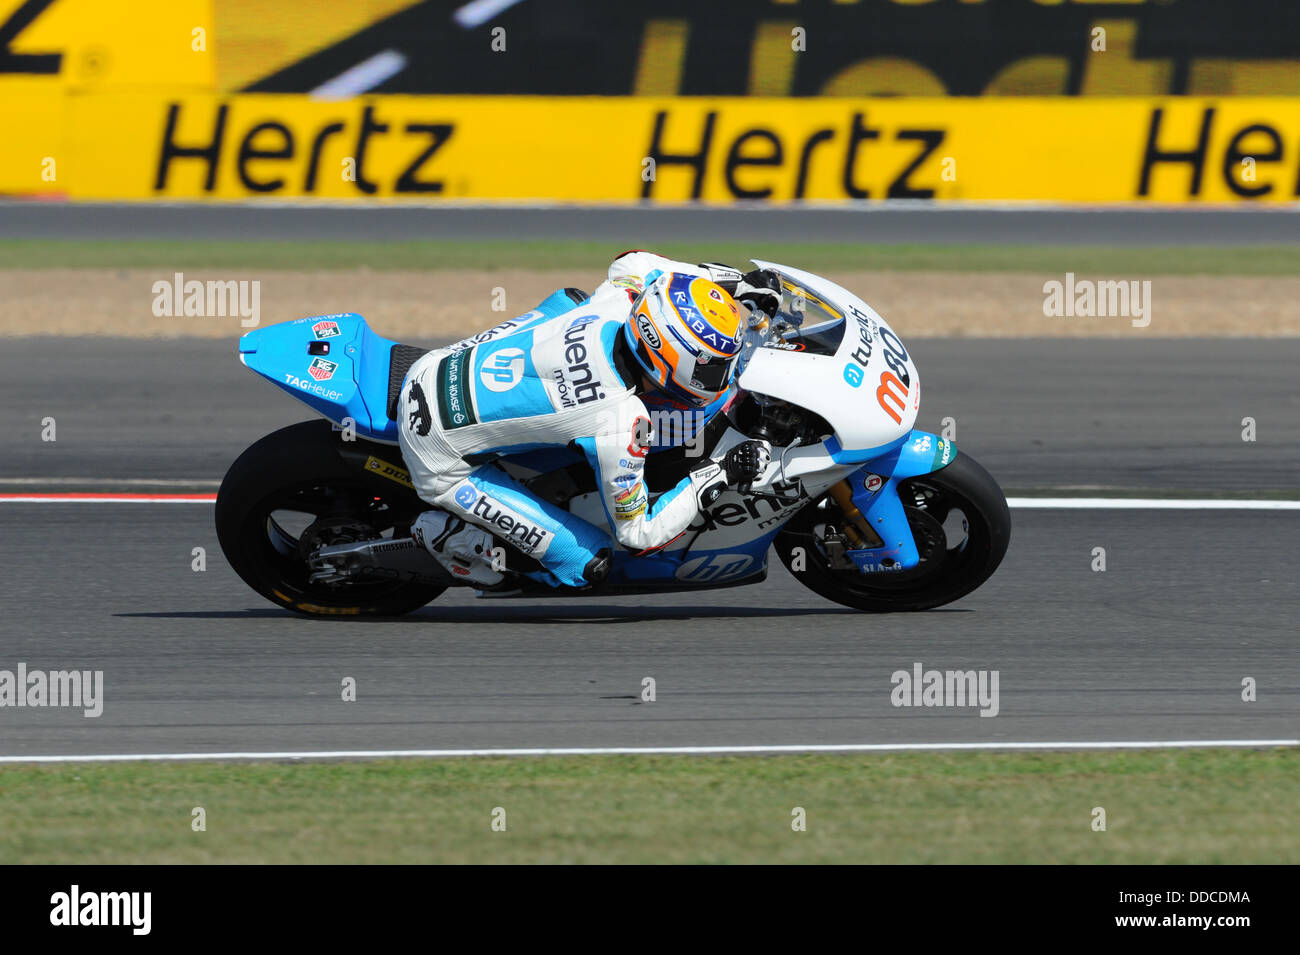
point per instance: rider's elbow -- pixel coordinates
(636, 535)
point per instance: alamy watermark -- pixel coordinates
(211, 299)
(1085, 298)
(921, 687)
(75, 907)
(662, 427)
(70, 688)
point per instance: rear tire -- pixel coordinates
(962, 492)
(304, 470)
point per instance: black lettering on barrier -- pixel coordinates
(1233, 156)
(20, 20)
(695, 160)
(734, 159)
(309, 184)
(805, 158)
(859, 133)
(931, 138)
(171, 151)
(1196, 156)
(438, 134)
(248, 151)
(368, 126)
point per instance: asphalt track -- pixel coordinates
(634, 225)
(1156, 647)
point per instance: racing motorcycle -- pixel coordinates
(861, 508)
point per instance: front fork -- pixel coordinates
(876, 526)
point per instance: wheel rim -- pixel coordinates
(287, 525)
(947, 527)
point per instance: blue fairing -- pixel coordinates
(917, 453)
(693, 567)
(875, 493)
(338, 367)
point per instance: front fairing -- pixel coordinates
(842, 361)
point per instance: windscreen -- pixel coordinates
(818, 324)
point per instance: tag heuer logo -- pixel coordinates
(325, 329)
(322, 369)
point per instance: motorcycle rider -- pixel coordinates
(656, 328)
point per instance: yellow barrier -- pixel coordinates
(141, 145)
(94, 45)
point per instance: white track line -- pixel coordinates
(106, 482)
(659, 750)
(107, 499)
(1152, 503)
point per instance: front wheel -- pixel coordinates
(959, 518)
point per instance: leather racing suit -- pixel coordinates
(545, 382)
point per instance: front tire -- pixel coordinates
(960, 518)
(297, 489)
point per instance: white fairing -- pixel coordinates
(880, 408)
(734, 520)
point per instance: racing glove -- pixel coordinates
(723, 275)
(739, 467)
(759, 289)
(746, 462)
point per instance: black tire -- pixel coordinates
(307, 468)
(946, 572)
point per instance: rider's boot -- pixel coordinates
(463, 549)
(598, 567)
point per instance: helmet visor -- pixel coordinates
(714, 375)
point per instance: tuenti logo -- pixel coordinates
(577, 384)
(74, 907)
(527, 537)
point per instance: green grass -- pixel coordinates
(1163, 806)
(587, 256)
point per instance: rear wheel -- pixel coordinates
(294, 491)
(959, 518)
